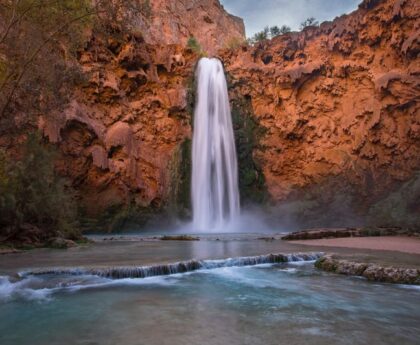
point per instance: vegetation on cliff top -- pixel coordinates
(274, 31)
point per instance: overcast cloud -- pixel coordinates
(259, 13)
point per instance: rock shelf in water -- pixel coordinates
(174, 268)
(373, 272)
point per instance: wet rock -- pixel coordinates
(373, 272)
(180, 238)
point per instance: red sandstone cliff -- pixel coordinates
(340, 101)
(336, 102)
(121, 134)
(173, 22)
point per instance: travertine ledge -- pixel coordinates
(373, 272)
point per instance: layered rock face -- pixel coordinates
(333, 111)
(339, 106)
(121, 136)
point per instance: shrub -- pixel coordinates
(31, 193)
(194, 45)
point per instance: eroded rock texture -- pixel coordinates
(326, 117)
(121, 134)
(124, 137)
(339, 106)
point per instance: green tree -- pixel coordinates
(285, 29)
(275, 31)
(262, 35)
(269, 33)
(309, 22)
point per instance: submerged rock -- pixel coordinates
(180, 238)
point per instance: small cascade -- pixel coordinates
(215, 193)
(175, 268)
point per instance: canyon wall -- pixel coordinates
(124, 137)
(327, 120)
(338, 106)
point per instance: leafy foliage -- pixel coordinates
(31, 192)
(195, 46)
(262, 35)
(274, 31)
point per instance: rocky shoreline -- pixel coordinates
(370, 271)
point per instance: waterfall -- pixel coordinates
(215, 193)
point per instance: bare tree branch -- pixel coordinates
(35, 54)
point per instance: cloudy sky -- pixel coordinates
(259, 13)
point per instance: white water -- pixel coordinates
(173, 268)
(41, 284)
(215, 193)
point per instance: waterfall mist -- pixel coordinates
(215, 193)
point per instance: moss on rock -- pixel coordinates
(247, 133)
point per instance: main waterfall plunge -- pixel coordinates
(215, 194)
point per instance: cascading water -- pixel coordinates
(215, 193)
(174, 268)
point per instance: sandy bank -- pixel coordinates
(409, 245)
